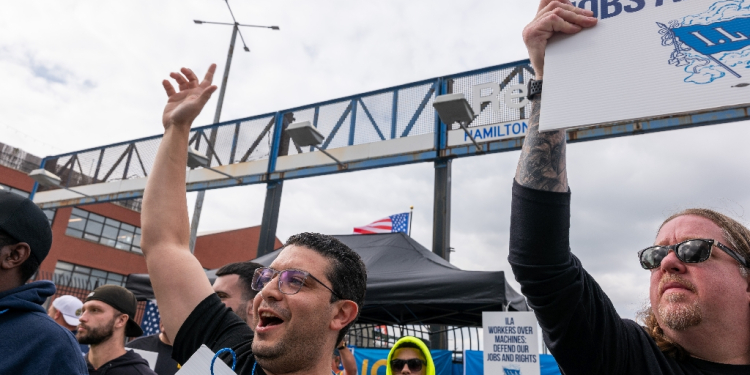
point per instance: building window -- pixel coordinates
(50, 212)
(108, 232)
(73, 274)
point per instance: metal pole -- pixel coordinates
(212, 139)
(441, 234)
(274, 188)
(267, 240)
(223, 90)
(411, 216)
(441, 218)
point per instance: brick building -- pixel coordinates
(100, 243)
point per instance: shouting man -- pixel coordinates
(308, 299)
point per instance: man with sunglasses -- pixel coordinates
(698, 321)
(308, 298)
(410, 356)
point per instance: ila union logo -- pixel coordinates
(711, 45)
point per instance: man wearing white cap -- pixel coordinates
(65, 310)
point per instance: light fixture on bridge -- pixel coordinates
(304, 134)
(196, 159)
(49, 179)
(453, 108)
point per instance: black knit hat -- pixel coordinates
(123, 301)
(25, 222)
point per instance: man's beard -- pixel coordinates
(675, 313)
(679, 316)
(96, 336)
(294, 350)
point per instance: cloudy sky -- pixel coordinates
(79, 74)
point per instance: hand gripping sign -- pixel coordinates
(648, 59)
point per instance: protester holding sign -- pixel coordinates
(699, 318)
(308, 299)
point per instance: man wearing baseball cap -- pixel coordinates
(106, 320)
(65, 310)
(30, 341)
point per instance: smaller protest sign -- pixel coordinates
(200, 364)
(510, 343)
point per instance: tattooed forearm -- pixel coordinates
(542, 162)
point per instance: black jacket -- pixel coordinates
(581, 326)
(129, 363)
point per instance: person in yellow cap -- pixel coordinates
(410, 356)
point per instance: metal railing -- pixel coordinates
(376, 116)
(18, 159)
(372, 336)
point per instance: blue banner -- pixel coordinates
(374, 361)
(717, 37)
(474, 363)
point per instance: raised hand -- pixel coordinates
(184, 106)
(552, 17)
(176, 275)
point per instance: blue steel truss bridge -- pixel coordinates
(388, 127)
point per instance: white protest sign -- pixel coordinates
(510, 343)
(648, 59)
(200, 364)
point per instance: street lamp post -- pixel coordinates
(212, 137)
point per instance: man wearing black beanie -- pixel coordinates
(31, 342)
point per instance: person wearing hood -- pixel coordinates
(106, 321)
(410, 356)
(30, 341)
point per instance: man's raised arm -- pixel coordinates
(542, 162)
(176, 275)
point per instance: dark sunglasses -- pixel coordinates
(690, 251)
(415, 364)
(290, 281)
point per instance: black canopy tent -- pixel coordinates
(408, 284)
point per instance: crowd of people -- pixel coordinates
(292, 317)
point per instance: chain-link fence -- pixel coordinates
(79, 288)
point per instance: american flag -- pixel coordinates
(391, 224)
(150, 322)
